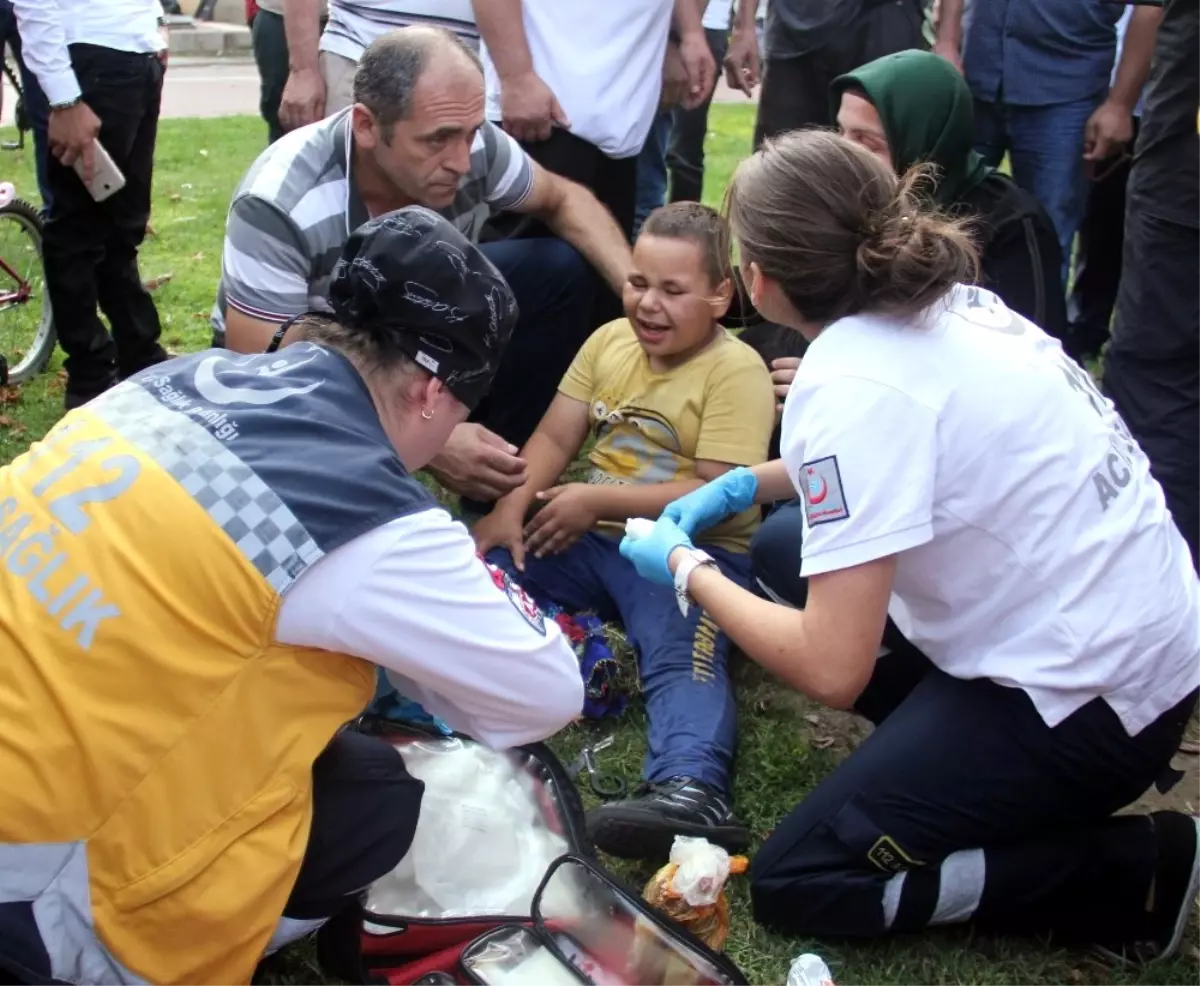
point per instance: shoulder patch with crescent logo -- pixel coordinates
(518, 597)
(820, 482)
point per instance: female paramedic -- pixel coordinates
(202, 568)
(950, 456)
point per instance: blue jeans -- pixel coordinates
(37, 107)
(682, 660)
(1045, 146)
(652, 170)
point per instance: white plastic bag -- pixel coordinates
(809, 970)
(703, 870)
(481, 845)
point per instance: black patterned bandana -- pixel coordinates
(415, 283)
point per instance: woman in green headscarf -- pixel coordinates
(914, 107)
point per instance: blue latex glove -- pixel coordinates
(649, 554)
(728, 494)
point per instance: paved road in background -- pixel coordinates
(203, 87)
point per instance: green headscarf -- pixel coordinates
(926, 110)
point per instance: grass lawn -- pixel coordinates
(786, 745)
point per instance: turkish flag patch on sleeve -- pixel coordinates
(820, 483)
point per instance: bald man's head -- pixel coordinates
(395, 63)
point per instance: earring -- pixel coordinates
(427, 414)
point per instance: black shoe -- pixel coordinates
(1176, 879)
(77, 395)
(645, 826)
(1176, 882)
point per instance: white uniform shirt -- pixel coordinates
(413, 597)
(602, 60)
(47, 27)
(1034, 548)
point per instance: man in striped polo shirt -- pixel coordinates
(416, 134)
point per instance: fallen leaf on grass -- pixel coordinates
(10, 394)
(201, 314)
(198, 256)
(157, 282)
(175, 197)
(151, 231)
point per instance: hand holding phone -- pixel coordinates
(106, 178)
(71, 131)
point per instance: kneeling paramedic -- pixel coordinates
(202, 569)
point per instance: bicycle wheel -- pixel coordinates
(26, 323)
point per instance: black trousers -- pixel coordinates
(91, 247)
(685, 147)
(271, 57)
(613, 181)
(1098, 262)
(1152, 367)
(964, 805)
(365, 810)
(795, 91)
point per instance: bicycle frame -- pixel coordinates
(23, 289)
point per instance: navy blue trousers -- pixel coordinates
(963, 805)
(682, 660)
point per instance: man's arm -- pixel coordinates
(694, 51)
(577, 216)
(264, 273)
(949, 32)
(1111, 126)
(303, 99)
(73, 126)
(528, 107)
(741, 58)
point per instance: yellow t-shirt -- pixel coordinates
(652, 427)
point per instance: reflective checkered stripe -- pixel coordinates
(262, 526)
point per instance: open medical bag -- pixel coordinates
(490, 826)
(585, 930)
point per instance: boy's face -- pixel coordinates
(669, 298)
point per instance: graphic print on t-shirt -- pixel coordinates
(824, 498)
(641, 445)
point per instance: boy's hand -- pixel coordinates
(783, 372)
(502, 529)
(566, 517)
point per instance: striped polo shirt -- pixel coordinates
(297, 205)
(354, 24)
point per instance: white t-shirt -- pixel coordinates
(413, 597)
(717, 15)
(1034, 547)
(354, 24)
(602, 60)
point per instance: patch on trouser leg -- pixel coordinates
(909, 895)
(289, 930)
(962, 878)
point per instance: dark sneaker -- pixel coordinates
(1176, 879)
(78, 394)
(1176, 883)
(645, 826)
